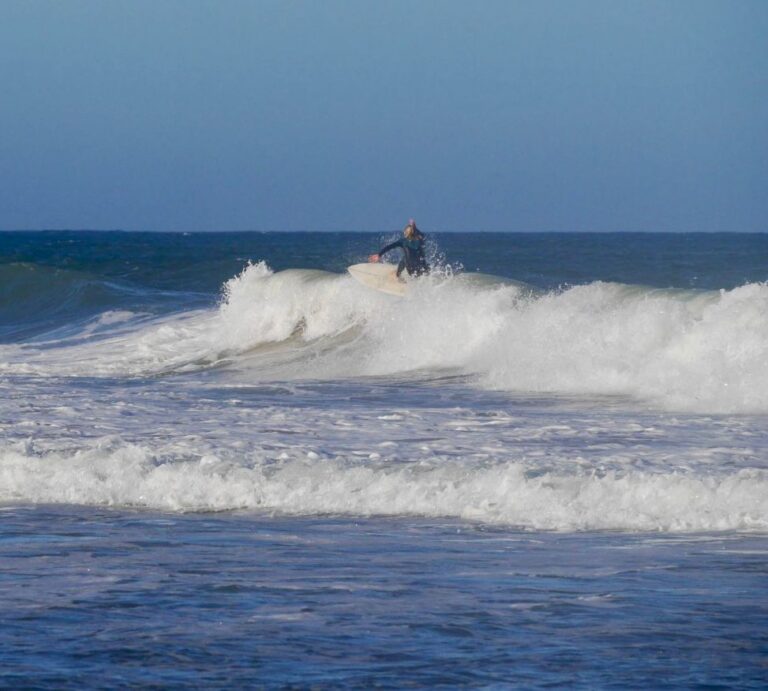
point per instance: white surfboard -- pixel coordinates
(381, 277)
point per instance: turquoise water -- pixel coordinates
(223, 462)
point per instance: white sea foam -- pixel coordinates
(682, 350)
(513, 493)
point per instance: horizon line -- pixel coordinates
(381, 230)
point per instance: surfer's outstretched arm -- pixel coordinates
(384, 250)
(390, 246)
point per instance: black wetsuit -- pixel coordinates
(413, 261)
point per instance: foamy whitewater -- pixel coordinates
(574, 383)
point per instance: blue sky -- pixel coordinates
(355, 115)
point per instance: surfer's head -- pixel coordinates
(411, 231)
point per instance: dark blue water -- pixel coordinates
(203, 261)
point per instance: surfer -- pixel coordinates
(412, 244)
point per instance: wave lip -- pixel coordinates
(114, 473)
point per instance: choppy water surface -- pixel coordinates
(223, 461)
(218, 600)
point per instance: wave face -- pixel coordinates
(703, 351)
(36, 300)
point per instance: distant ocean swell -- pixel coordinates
(40, 300)
(699, 351)
(114, 473)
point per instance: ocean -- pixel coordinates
(224, 463)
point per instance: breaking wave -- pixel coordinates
(704, 351)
